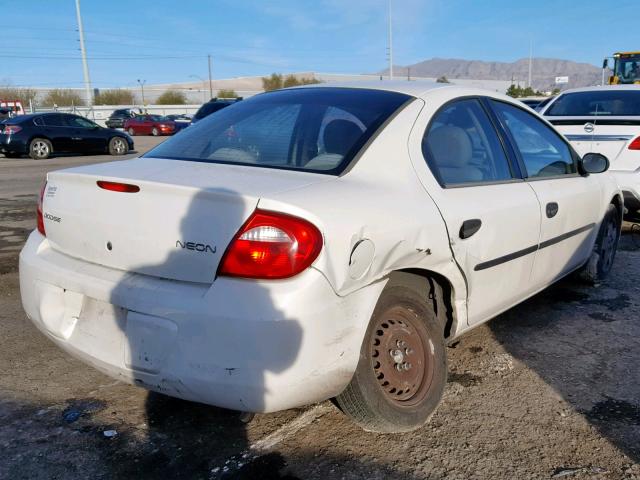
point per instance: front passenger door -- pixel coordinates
(570, 203)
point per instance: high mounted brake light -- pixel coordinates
(118, 187)
(271, 245)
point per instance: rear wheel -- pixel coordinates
(40, 148)
(131, 131)
(604, 250)
(155, 132)
(118, 146)
(402, 370)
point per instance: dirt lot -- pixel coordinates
(551, 389)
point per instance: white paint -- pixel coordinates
(261, 346)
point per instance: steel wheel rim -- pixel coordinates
(402, 357)
(131, 131)
(154, 132)
(41, 149)
(118, 146)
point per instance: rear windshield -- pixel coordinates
(311, 129)
(209, 108)
(597, 103)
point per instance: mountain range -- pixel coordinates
(544, 71)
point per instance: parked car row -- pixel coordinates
(319, 242)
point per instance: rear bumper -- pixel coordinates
(629, 182)
(9, 144)
(239, 344)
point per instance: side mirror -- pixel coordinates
(605, 63)
(594, 163)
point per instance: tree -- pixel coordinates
(442, 79)
(276, 81)
(23, 95)
(227, 93)
(519, 92)
(172, 97)
(62, 97)
(555, 92)
(114, 97)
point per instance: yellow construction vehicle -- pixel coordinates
(626, 68)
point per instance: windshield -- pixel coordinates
(209, 108)
(311, 129)
(627, 68)
(597, 103)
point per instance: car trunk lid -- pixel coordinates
(177, 226)
(610, 137)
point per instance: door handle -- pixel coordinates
(470, 227)
(552, 209)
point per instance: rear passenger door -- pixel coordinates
(492, 216)
(570, 202)
(57, 130)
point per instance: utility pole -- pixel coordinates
(210, 84)
(390, 45)
(142, 82)
(530, 60)
(83, 50)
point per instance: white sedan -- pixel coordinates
(316, 242)
(604, 120)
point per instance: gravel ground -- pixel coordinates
(550, 389)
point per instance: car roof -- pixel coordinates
(599, 88)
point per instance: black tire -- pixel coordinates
(402, 401)
(131, 131)
(40, 148)
(155, 132)
(118, 146)
(604, 250)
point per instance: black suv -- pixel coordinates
(41, 134)
(117, 118)
(212, 106)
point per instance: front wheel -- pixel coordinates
(402, 371)
(118, 146)
(155, 132)
(604, 251)
(40, 149)
(131, 131)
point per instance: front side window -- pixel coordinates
(461, 146)
(607, 103)
(312, 129)
(542, 150)
(79, 122)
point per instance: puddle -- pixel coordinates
(464, 379)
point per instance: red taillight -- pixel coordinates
(39, 210)
(635, 145)
(118, 187)
(271, 245)
(11, 129)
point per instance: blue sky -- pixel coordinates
(167, 41)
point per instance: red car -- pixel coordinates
(150, 125)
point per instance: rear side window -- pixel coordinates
(542, 150)
(461, 146)
(312, 129)
(606, 103)
(208, 109)
(54, 120)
